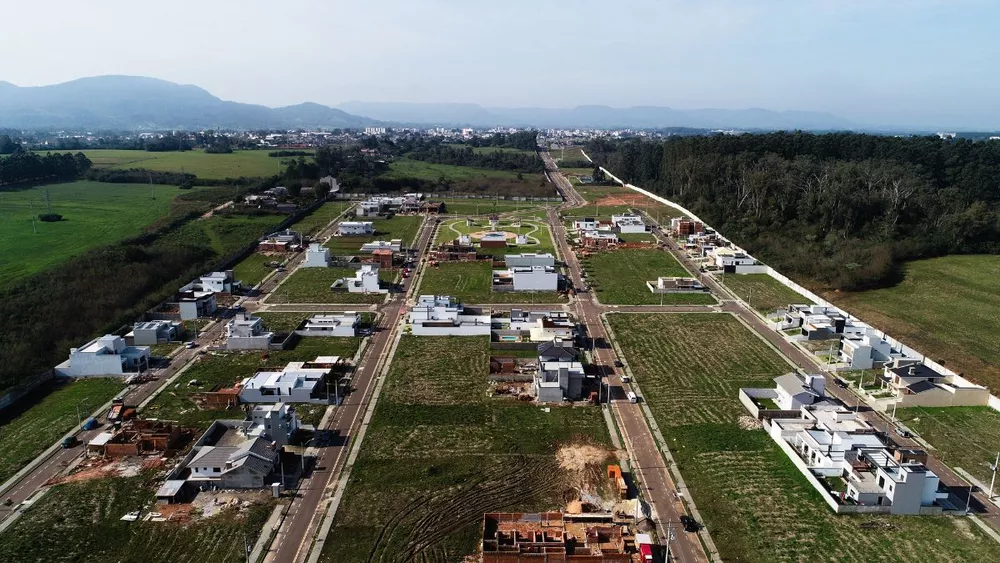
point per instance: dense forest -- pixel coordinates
(842, 209)
(23, 167)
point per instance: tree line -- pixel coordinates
(843, 210)
(23, 167)
(524, 140)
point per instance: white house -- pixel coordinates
(529, 259)
(220, 282)
(585, 224)
(793, 392)
(193, 304)
(147, 333)
(864, 351)
(916, 384)
(355, 228)
(298, 382)
(331, 324)
(675, 285)
(628, 224)
(734, 261)
(106, 355)
(395, 245)
(317, 256)
(244, 332)
(365, 280)
(556, 381)
(534, 278)
(441, 315)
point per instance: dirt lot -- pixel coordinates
(630, 199)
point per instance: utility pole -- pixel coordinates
(994, 467)
(670, 536)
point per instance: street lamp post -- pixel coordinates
(79, 416)
(994, 467)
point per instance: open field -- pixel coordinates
(223, 369)
(487, 150)
(572, 153)
(539, 236)
(252, 163)
(226, 233)
(966, 437)
(944, 307)
(619, 277)
(762, 292)
(755, 503)
(38, 420)
(312, 285)
(472, 282)
(408, 168)
(252, 269)
(459, 206)
(94, 214)
(317, 220)
(403, 227)
(595, 193)
(82, 523)
(440, 452)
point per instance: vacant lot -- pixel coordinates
(254, 268)
(81, 522)
(755, 503)
(569, 154)
(407, 168)
(312, 285)
(472, 282)
(404, 227)
(619, 277)
(966, 437)
(38, 420)
(94, 214)
(458, 206)
(762, 292)
(224, 369)
(317, 220)
(944, 307)
(440, 452)
(203, 165)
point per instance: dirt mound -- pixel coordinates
(624, 199)
(749, 423)
(577, 457)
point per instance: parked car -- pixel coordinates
(619, 364)
(690, 524)
(840, 382)
(191, 344)
(68, 442)
(632, 397)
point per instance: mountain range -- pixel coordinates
(140, 103)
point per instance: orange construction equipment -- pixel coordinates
(615, 475)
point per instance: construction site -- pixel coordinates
(561, 537)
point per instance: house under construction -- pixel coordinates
(137, 437)
(554, 537)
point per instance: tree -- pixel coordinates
(8, 145)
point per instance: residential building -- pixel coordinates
(369, 208)
(865, 351)
(235, 461)
(555, 537)
(244, 332)
(220, 282)
(297, 382)
(365, 280)
(585, 224)
(458, 250)
(281, 241)
(682, 227)
(557, 350)
(819, 322)
(556, 381)
(317, 256)
(331, 324)
(534, 278)
(628, 224)
(917, 384)
(382, 257)
(598, 240)
(394, 245)
(106, 355)
(441, 315)
(527, 260)
(675, 285)
(735, 261)
(148, 333)
(355, 228)
(538, 326)
(793, 392)
(193, 304)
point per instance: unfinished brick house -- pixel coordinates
(218, 399)
(503, 364)
(138, 437)
(551, 537)
(454, 251)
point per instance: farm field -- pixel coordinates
(94, 214)
(312, 285)
(40, 419)
(619, 277)
(409, 168)
(538, 233)
(945, 308)
(472, 283)
(83, 523)
(966, 437)
(762, 292)
(317, 220)
(440, 452)
(223, 369)
(251, 163)
(755, 503)
(403, 227)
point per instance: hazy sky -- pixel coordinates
(915, 62)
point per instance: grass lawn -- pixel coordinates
(440, 452)
(94, 214)
(572, 153)
(407, 168)
(39, 419)
(946, 308)
(966, 437)
(81, 522)
(538, 233)
(472, 282)
(252, 163)
(317, 220)
(756, 504)
(403, 227)
(282, 322)
(637, 237)
(763, 292)
(312, 285)
(223, 369)
(619, 277)
(254, 268)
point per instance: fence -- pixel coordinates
(21, 389)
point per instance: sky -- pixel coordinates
(877, 62)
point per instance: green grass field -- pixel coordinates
(408, 168)
(594, 193)
(762, 292)
(946, 308)
(538, 233)
(966, 437)
(403, 227)
(223, 369)
(472, 282)
(619, 277)
(39, 419)
(312, 285)
(440, 452)
(82, 523)
(252, 163)
(317, 220)
(487, 206)
(487, 150)
(755, 503)
(572, 153)
(94, 214)
(252, 269)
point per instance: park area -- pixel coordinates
(440, 452)
(217, 166)
(946, 308)
(619, 277)
(472, 283)
(539, 237)
(755, 503)
(762, 292)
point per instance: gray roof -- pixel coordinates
(920, 370)
(562, 349)
(793, 384)
(921, 386)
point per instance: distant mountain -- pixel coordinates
(595, 116)
(133, 102)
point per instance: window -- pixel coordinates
(881, 481)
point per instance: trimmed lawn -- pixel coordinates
(966, 437)
(756, 504)
(619, 277)
(946, 308)
(472, 282)
(312, 285)
(39, 419)
(762, 292)
(223, 369)
(440, 452)
(251, 163)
